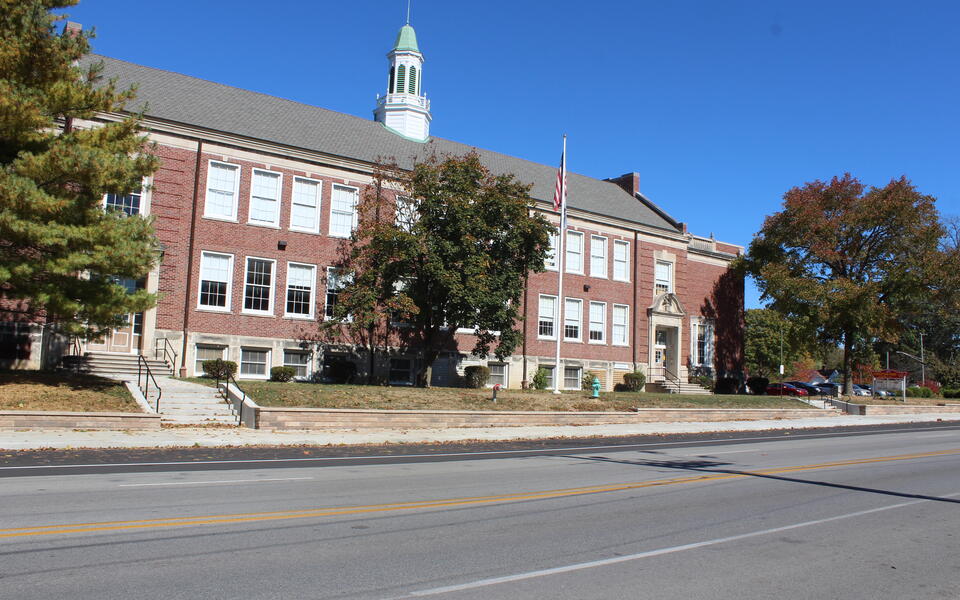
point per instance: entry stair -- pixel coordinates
(671, 387)
(115, 366)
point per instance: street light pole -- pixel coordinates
(923, 364)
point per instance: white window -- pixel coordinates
(621, 260)
(301, 281)
(407, 214)
(305, 205)
(701, 337)
(547, 320)
(550, 262)
(574, 252)
(258, 286)
(498, 374)
(265, 198)
(572, 315)
(598, 322)
(598, 256)
(619, 330)
(205, 353)
(299, 361)
(343, 211)
(129, 204)
(253, 363)
(334, 285)
(223, 184)
(550, 371)
(572, 378)
(664, 275)
(215, 276)
(401, 371)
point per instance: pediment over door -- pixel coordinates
(668, 305)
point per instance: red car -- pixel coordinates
(785, 389)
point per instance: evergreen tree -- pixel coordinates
(61, 253)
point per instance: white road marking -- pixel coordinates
(691, 443)
(213, 482)
(651, 553)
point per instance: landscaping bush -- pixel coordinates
(727, 385)
(933, 385)
(919, 392)
(758, 385)
(282, 373)
(950, 393)
(540, 379)
(219, 368)
(586, 382)
(634, 382)
(476, 376)
(704, 381)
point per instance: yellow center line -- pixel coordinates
(39, 530)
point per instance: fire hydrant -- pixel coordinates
(496, 388)
(596, 387)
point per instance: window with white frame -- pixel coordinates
(401, 371)
(572, 378)
(598, 322)
(305, 205)
(550, 262)
(343, 210)
(572, 316)
(550, 371)
(301, 281)
(664, 277)
(498, 374)
(215, 276)
(205, 353)
(258, 286)
(701, 336)
(407, 214)
(299, 361)
(620, 325)
(574, 252)
(598, 256)
(223, 184)
(334, 285)
(265, 198)
(547, 319)
(253, 362)
(621, 260)
(128, 204)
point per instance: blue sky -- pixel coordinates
(720, 106)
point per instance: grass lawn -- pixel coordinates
(313, 395)
(39, 390)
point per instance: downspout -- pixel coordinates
(525, 382)
(636, 282)
(193, 229)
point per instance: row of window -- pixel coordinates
(223, 191)
(255, 362)
(216, 283)
(573, 320)
(599, 266)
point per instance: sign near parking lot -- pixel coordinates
(891, 382)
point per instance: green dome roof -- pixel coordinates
(406, 39)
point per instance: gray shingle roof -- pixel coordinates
(187, 100)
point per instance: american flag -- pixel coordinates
(560, 194)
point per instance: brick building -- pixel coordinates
(255, 194)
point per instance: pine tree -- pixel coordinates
(61, 253)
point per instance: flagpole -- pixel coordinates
(557, 371)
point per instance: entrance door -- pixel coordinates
(118, 340)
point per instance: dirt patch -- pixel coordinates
(37, 390)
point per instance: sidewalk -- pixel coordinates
(217, 437)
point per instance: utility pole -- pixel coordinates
(923, 364)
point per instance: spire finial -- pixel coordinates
(408, 12)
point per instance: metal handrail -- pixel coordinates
(228, 379)
(144, 368)
(167, 350)
(668, 375)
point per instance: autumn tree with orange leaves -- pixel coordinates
(850, 260)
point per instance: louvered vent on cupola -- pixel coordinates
(401, 78)
(412, 88)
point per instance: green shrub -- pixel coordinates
(540, 379)
(950, 393)
(282, 373)
(219, 368)
(704, 381)
(476, 376)
(919, 392)
(758, 385)
(634, 382)
(727, 385)
(586, 382)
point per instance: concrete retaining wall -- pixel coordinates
(906, 409)
(37, 419)
(332, 418)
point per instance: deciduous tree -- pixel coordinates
(60, 252)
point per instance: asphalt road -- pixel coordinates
(856, 515)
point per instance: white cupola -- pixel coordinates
(404, 109)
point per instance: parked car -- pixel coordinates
(828, 389)
(862, 390)
(785, 389)
(811, 389)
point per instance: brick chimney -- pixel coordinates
(72, 29)
(630, 183)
